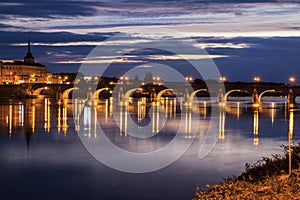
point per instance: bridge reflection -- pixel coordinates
(290, 136)
(255, 126)
(47, 115)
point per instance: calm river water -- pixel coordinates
(43, 157)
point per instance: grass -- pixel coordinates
(266, 179)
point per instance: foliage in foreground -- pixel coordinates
(278, 164)
(265, 179)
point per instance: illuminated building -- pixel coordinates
(18, 71)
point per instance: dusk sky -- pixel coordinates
(245, 38)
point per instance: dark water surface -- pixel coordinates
(42, 157)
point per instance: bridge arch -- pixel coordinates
(67, 92)
(97, 92)
(260, 95)
(128, 93)
(227, 94)
(158, 97)
(194, 93)
(39, 90)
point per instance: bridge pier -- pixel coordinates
(291, 99)
(59, 94)
(89, 97)
(153, 95)
(187, 98)
(221, 96)
(255, 99)
(120, 96)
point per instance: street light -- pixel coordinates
(223, 78)
(292, 79)
(189, 78)
(256, 79)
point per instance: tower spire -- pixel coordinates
(29, 59)
(28, 47)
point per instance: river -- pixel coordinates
(44, 152)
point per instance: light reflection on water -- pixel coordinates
(39, 146)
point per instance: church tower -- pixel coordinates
(28, 59)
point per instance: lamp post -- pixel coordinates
(292, 80)
(291, 102)
(223, 79)
(189, 79)
(291, 96)
(256, 79)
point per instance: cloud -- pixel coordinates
(186, 56)
(98, 61)
(46, 9)
(6, 4)
(223, 45)
(239, 58)
(134, 59)
(243, 37)
(5, 26)
(191, 17)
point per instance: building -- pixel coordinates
(23, 71)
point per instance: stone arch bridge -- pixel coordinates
(63, 91)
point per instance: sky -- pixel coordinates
(244, 38)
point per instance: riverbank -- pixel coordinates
(266, 179)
